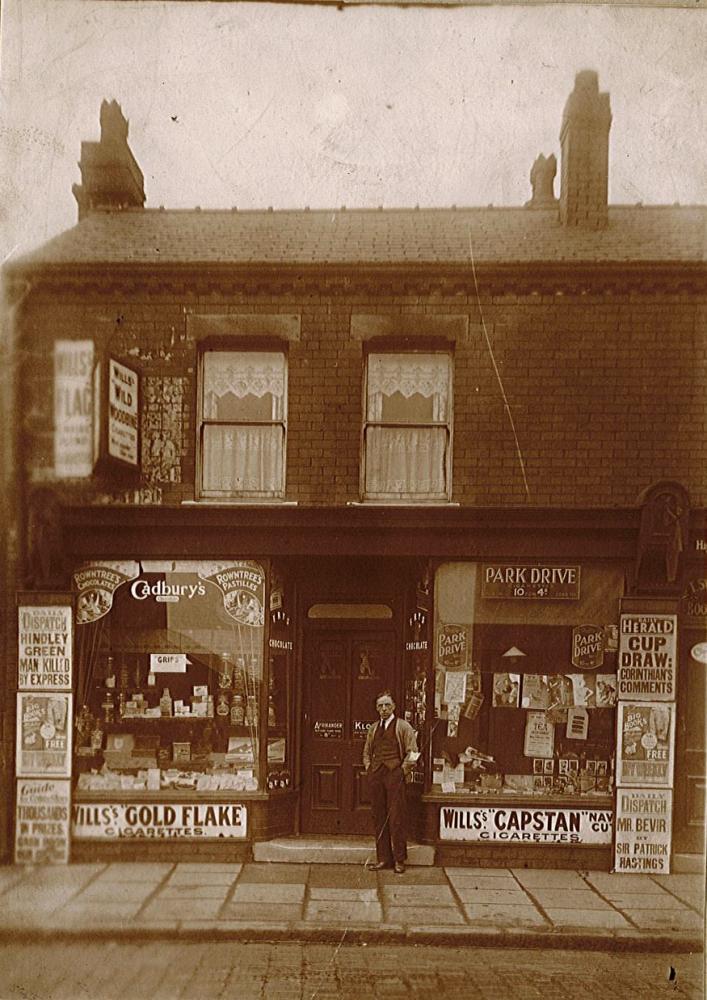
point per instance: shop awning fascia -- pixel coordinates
(442, 532)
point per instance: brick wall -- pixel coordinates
(606, 392)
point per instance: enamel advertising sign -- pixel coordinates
(525, 582)
(159, 820)
(546, 825)
(587, 647)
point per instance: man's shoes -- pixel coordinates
(399, 868)
(377, 866)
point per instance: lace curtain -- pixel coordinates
(408, 374)
(243, 459)
(243, 373)
(407, 462)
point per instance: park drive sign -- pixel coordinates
(587, 647)
(530, 582)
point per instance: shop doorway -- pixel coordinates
(691, 752)
(345, 665)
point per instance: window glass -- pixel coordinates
(525, 686)
(171, 682)
(244, 404)
(407, 427)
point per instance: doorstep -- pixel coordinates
(332, 851)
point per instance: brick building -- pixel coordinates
(279, 460)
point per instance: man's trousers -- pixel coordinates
(387, 789)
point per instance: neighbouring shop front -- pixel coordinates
(206, 704)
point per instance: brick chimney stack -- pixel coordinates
(584, 138)
(110, 176)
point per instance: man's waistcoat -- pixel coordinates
(385, 751)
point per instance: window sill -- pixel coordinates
(402, 503)
(252, 502)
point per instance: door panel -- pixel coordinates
(361, 798)
(326, 786)
(344, 669)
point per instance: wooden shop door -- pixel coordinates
(344, 669)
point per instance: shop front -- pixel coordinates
(220, 702)
(223, 702)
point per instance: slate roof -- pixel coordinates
(370, 236)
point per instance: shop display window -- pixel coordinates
(524, 684)
(171, 688)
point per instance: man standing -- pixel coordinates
(389, 755)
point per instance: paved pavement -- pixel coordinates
(311, 902)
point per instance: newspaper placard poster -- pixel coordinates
(73, 408)
(43, 811)
(454, 687)
(44, 647)
(539, 736)
(646, 741)
(643, 830)
(647, 657)
(43, 735)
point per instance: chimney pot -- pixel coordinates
(542, 180)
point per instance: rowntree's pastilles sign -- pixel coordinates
(647, 657)
(530, 582)
(483, 824)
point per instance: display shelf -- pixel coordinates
(101, 795)
(133, 721)
(592, 800)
